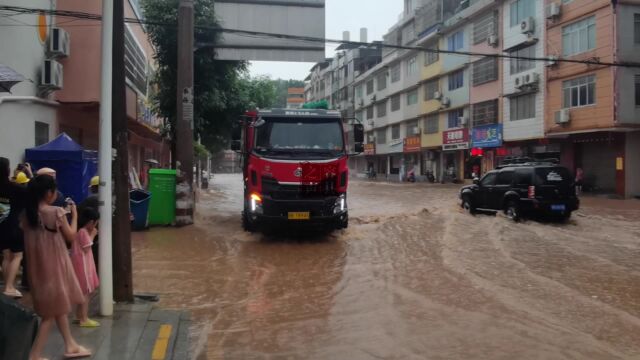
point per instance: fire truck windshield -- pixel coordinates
(313, 138)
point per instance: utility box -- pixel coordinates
(162, 207)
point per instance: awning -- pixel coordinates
(8, 78)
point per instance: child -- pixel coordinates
(83, 263)
(54, 286)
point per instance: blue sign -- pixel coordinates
(487, 136)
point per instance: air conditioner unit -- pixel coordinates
(416, 131)
(59, 43)
(437, 95)
(562, 116)
(371, 139)
(492, 40)
(52, 75)
(518, 82)
(552, 60)
(445, 102)
(527, 26)
(553, 10)
(531, 79)
(463, 120)
(373, 99)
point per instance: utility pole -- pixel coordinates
(105, 243)
(184, 121)
(122, 270)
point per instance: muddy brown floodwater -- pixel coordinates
(412, 278)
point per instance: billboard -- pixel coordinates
(487, 136)
(412, 144)
(455, 139)
(302, 18)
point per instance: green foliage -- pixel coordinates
(200, 150)
(322, 104)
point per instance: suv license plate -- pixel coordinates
(299, 216)
(558, 207)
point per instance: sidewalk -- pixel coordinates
(136, 331)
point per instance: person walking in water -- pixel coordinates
(54, 286)
(579, 180)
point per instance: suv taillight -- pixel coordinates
(532, 192)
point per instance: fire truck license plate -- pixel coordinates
(299, 216)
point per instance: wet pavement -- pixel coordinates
(412, 278)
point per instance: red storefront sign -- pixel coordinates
(412, 144)
(455, 139)
(370, 149)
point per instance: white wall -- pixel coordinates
(23, 52)
(527, 128)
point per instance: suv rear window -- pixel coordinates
(553, 176)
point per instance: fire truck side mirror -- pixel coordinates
(358, 133)
(236, 145)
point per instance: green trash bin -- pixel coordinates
(162, 186)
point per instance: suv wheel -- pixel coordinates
(512, 211)
(467, 205)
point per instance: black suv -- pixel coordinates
(518, 189)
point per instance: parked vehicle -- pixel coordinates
(295, 168)
(523, 188)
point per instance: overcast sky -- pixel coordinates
(378, 16)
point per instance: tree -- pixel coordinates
(217, 84)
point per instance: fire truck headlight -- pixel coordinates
(256, 204)
(341, 205)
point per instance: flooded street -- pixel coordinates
(413, 277)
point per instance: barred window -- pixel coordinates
(431, 57)
(370, 87)
(523, 107)
(431, 124)
(485, 70)
(485, 113)
(430, 88)
(395, 132)
(370, 113)
(485, 27)
(395, 72)
(412, 128)
(381, 136)
(382, 80)
(381, 108)
(520, 65)
(395, 102)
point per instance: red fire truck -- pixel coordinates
(295, 167)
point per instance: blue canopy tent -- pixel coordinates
(74, 166)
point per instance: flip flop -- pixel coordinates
(90, 324)
(82, 353)
(16, 295)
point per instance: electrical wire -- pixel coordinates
(315, 40)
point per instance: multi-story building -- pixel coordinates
(28, 112)
(78, 112)
(593, 111)
(295, 98)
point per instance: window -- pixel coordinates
(431, 57)
(453, 118)
(579, 92)
(456, 41)
(637, 90)
(370, 112)
(135, 62)
(485, 113)
(395, 73)
(412, 128)
(520, 65)
(523, 177)
(431, 124)
(381, 79)
(395, 132)
(520, 10)
(456, 80)
(489, 179)
(359, 115)
(412, 66)
(484, 27)
(505, 178)
(523, 107)
(346, 71)
(359, 91)
(412, 97)
(370, 87)
(42, 133)
(381, 108)
(636, 28)
(395, 102)
(430, 89)
(485, 70)
(381, 136)
(579, 37)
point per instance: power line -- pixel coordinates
(324, 41)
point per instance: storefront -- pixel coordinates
(485, 140)
(455, 144)
(370, 157)
(431, 165)
(411, 149)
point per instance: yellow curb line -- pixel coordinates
(162, 343)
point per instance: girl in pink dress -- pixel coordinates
(83, 263)
(54, 286)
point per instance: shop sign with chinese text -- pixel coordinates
(455, 139)
(412, 144)
(487, 136)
